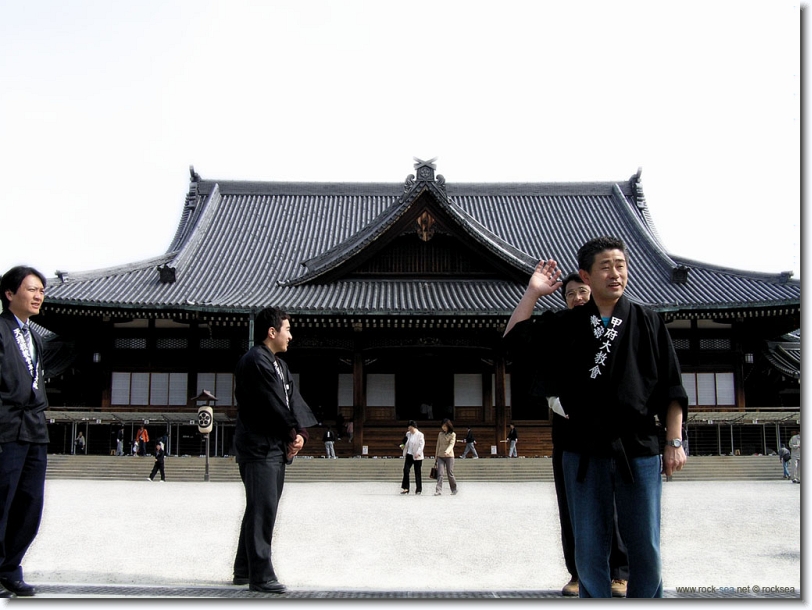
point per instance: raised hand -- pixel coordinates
(545, 279)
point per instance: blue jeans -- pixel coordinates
(591, 509)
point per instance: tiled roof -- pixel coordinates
(785, 355)
(242, 245)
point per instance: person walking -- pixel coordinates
(512, 438)
(413, 445)
(469, 445)
(23, 427)
(444, 460)
(272, 418)
(159, 462)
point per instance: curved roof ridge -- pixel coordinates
(94, 274)
(198, 233)
(657, 248)
(489, 239)
(756, 275)
(343, 251)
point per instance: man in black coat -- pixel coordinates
(23, 431)
(270, 431)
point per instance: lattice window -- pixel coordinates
(214, 343)
(130, 343)
(172, 343)
(714, 344)
(682, 344)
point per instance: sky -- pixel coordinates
(105, 104)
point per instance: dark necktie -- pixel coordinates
(28, 342)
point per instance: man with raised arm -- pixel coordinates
(613, 366)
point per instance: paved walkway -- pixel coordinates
(364, 540)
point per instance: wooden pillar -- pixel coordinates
(359, 401)
(500, 431)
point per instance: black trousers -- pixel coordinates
(263, 481)
(158, 466)
(22, 495)
(418, 477)
(618, 560)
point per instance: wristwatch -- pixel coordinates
(674, 443)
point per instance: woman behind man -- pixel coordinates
(445, 457)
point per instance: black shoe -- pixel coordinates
(18, 587)
(269, 586)
(240, 580)
(6, 594)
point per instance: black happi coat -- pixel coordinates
(22, 406)
(611, 392)
(264, 421)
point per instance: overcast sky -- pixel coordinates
(104, 105)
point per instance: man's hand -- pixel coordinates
(545, 279)
(296, 446)
(673, 459)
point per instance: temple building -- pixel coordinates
(399, 294)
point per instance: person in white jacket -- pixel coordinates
(413, 446)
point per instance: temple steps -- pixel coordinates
(305, 469)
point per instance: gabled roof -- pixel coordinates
(423, 200)
(242, 245)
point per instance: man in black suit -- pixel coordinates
(23, 431)
(270, 431)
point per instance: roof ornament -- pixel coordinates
(194, 174)
(636, 184)
(425, 169)
(166, 274)
(679, 275)
(425, 173)
(425, 226)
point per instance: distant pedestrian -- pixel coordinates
(512, 438)
(135, 447)
(329, 439)
(350, 430)
(445, 457)
(784, 456)
(413, 446)
(469, 445)
(795, 455)
(120, 442)
(80, 443)
(142, 436)
(159, 463)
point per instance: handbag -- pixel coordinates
(433, 472)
